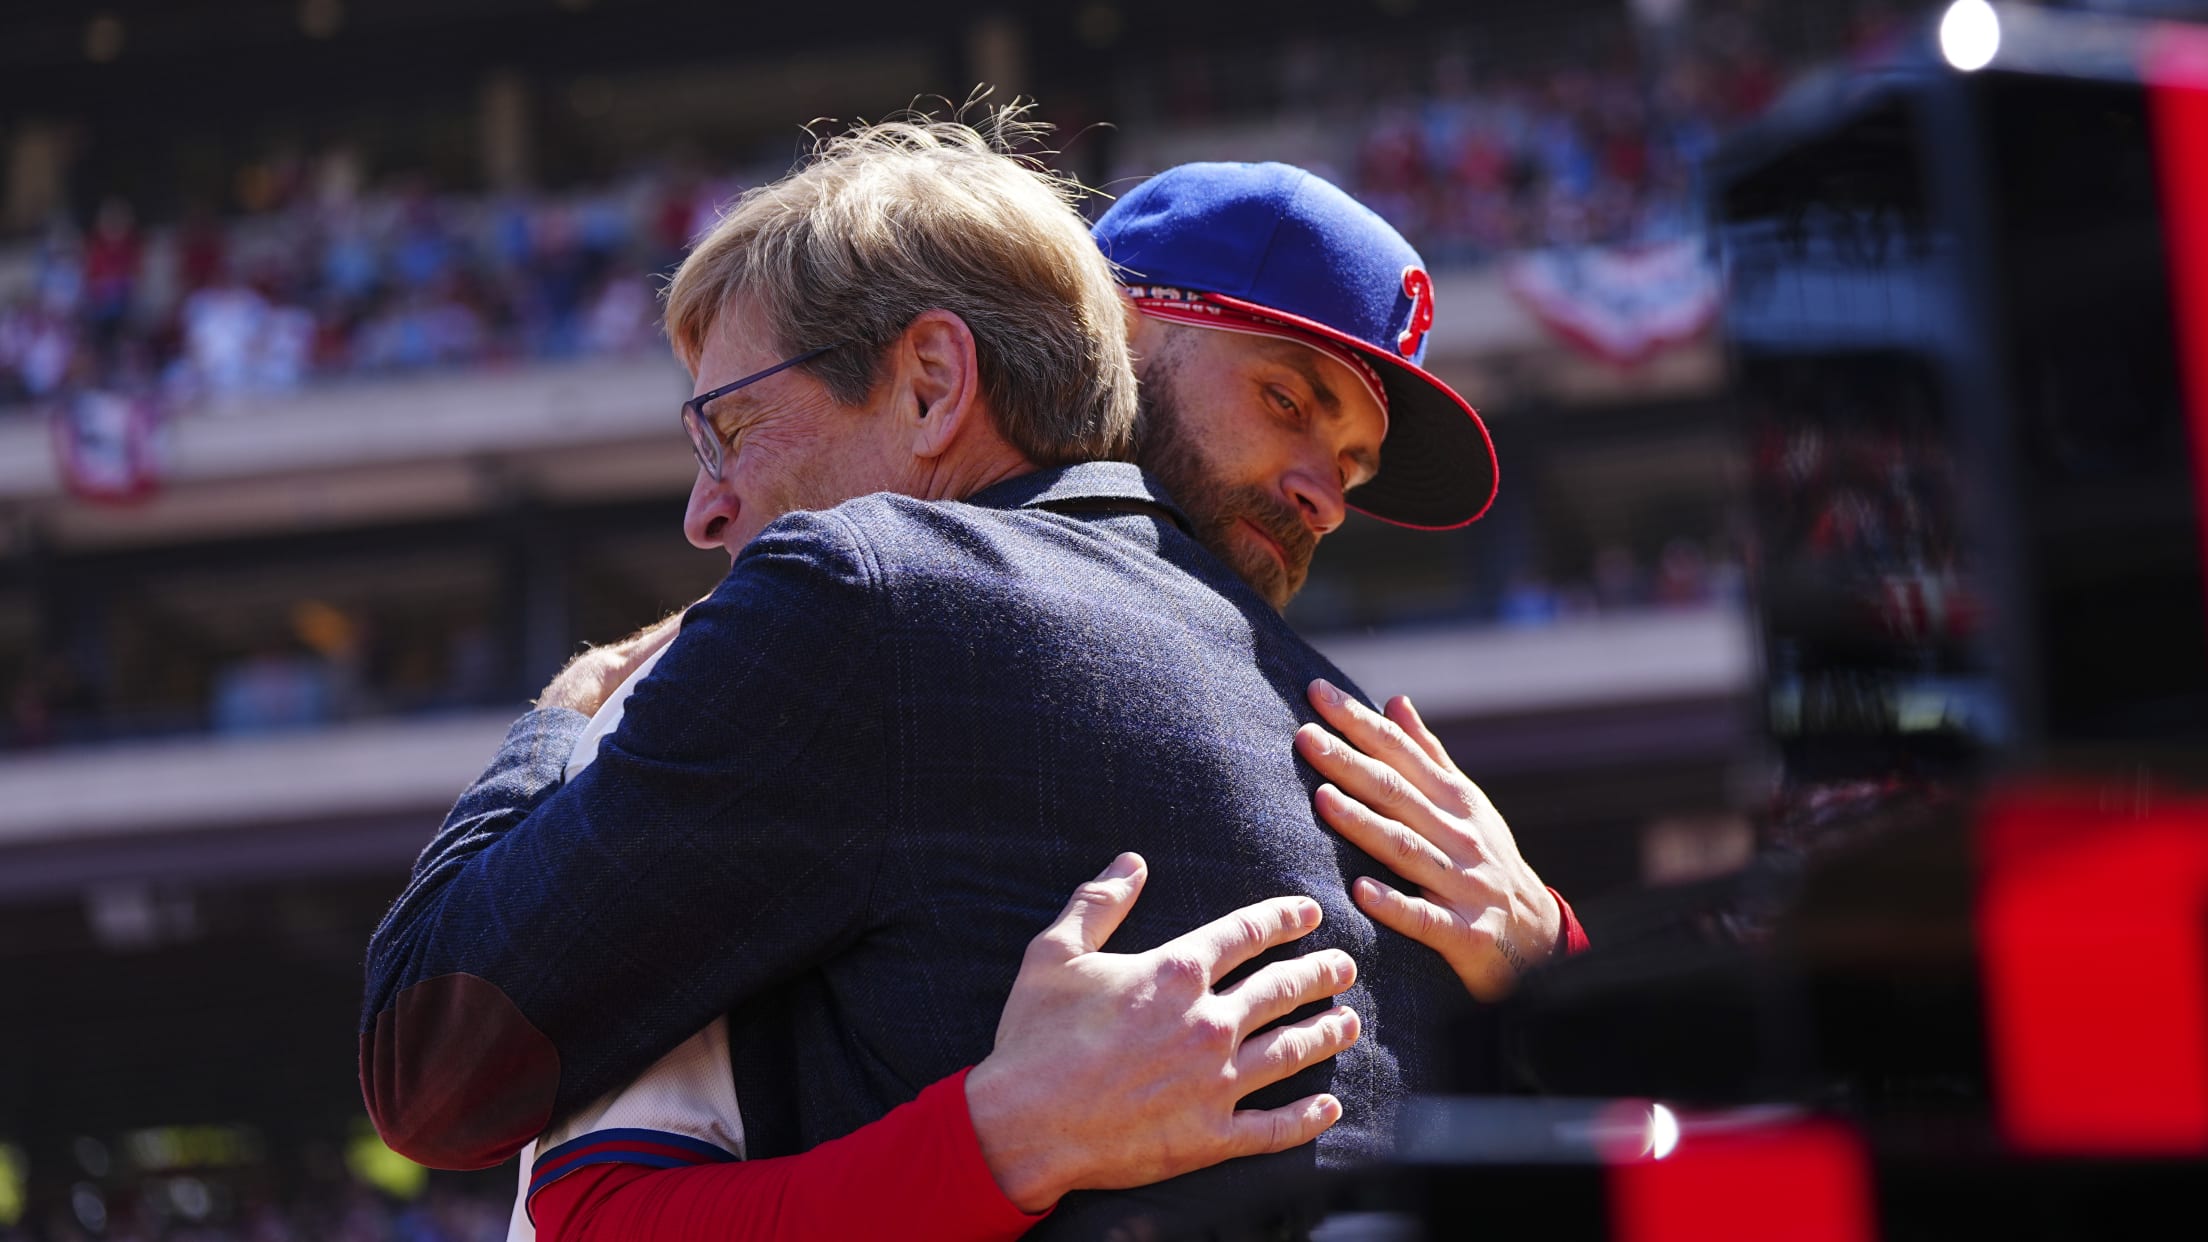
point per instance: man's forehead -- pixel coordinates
(734, 346)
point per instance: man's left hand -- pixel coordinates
(1396, 795)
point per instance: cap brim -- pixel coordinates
(1437, 465)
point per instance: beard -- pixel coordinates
(1216, 509)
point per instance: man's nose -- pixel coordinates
(713, 507)
(1317, 495)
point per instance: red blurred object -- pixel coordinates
(1804, 1182)
(2176, 70)
(2093, 928)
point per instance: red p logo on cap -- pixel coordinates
(1420, 288)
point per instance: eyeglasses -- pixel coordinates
(705, 441)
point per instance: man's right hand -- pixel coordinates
(599, 671)
(1394, 793)
(1118, 1070)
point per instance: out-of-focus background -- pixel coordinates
(334, 416)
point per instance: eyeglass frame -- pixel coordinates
(701, 430)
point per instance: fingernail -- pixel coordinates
(1308, 914)
(1122, 867)
(1330, 1109)
(1328, 691)
(1318, 739)
(1351, 1023)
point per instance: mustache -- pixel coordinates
(1276, 519)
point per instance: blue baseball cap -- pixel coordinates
(1272, 248)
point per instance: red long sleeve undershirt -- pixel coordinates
(917, 1173)
(1573, 939)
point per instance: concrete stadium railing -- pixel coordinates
(415, 767)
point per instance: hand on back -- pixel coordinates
(1395, 794)
(1116, 1070)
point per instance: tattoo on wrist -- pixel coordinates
(1511, 954)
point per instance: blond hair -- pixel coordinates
(886, 221)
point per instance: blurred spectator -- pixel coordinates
(1619, 582)
(1528, 601)
(200, 251)
(113, 256)
(37, 345)
(222, 333)
(1682, 575)
(277, 688)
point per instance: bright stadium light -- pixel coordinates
(1970, 33)
(1663, 1131)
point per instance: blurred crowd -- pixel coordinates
(1473, 151)
(350, 1214)
(1862, 500)
(1479, 149)
(1684, 575)
(332, 279)
(308, 663)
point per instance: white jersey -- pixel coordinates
(682, 1111)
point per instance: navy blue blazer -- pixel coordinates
(868, 771)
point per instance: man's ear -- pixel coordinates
(939, 381)
(1138, 324)
(1148, 337)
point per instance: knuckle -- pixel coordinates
(1299, 984)
(1394, 738)
(1341, 969)
(1464, 797)
(1264, 1057)
(1272, 988)
(1294, 1050)
(1406, 847)
(1086, 901)
(1094, 893)
(1183, 974)
(1213, 1031)
(1394, 790)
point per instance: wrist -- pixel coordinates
(582, 685)
(573, 698)
(1019, 1148)
(1543, 926)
